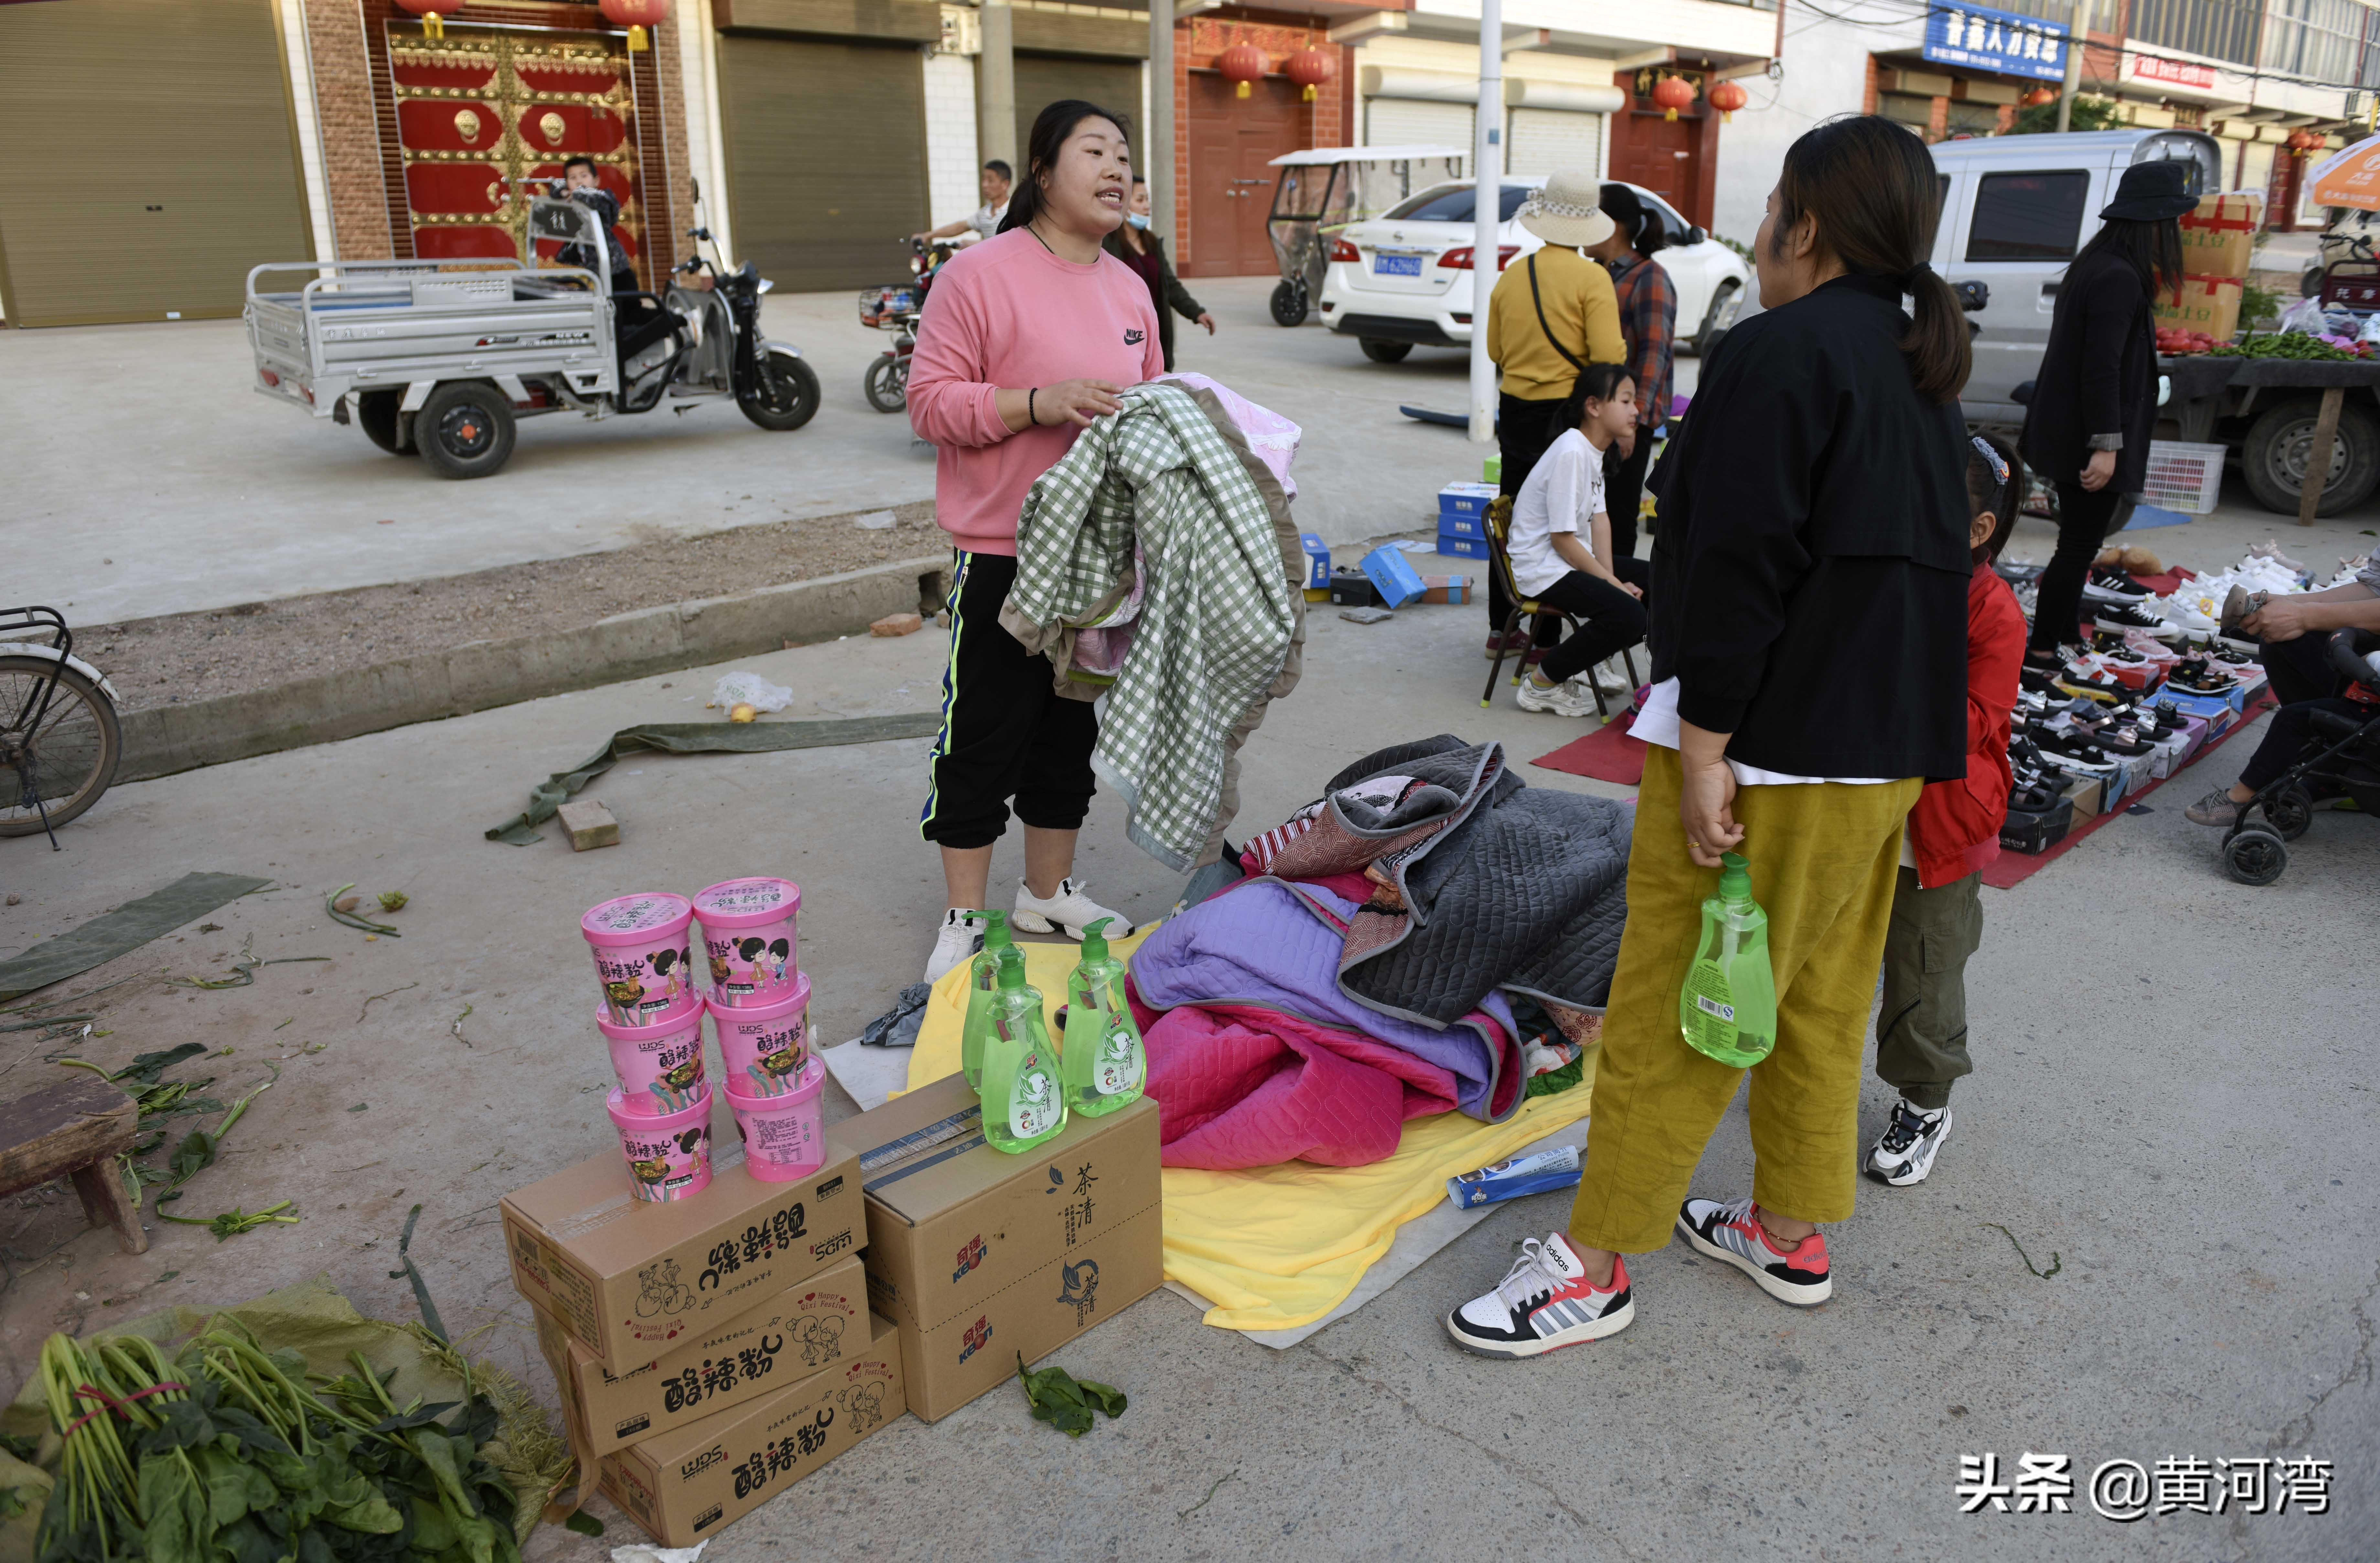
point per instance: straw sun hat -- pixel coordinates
(1564, 212)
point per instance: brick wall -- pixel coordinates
(351, 162)
(1197, 44)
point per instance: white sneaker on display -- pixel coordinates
(960, 936)
(1571, 697)
(1069, 911)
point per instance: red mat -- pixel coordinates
(2012, 868)
(1608, 754)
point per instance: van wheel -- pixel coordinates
(2279, 446)
(1382, 352)
(465, 430)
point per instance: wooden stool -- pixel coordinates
(76, 1128)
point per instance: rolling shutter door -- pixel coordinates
(1545, 141)
(1416, 122)
(151, 159)
(809, 215)
(1043, 79)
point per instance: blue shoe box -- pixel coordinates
(1461, 525)
(1467, 501)
(1454, 545)
(1393, 576)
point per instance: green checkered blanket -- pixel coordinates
(1216, 613)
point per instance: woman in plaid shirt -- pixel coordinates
(1648, 319)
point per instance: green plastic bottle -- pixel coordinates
(1727, 1010)
(1024, 1102)
(1104, 1062)
(983, 976)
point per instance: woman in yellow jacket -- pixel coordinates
(1549, 317)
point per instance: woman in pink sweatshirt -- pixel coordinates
(1026, 337)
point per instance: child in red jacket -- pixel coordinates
(1954, 831)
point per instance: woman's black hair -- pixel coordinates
(1050, 129)
(1645, 232)
(1988, 490)
(1872, 189)
(1597, 383)
(2152, 249)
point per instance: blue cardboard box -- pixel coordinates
(1461, 525)
(1456, 546)
(1392, 574)
(2210, 706)
(1468, 499)
(1318, 562)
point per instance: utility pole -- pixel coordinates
(996, 89)
(1487, 166)
(2077, 26)
(1157, 155)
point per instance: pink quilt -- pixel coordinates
(1247, 1086)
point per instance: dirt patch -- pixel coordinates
(255, 645)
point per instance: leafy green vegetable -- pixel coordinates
(1066, 1403)
(231, 1223)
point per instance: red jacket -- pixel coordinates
(1955, 828)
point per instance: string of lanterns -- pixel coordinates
(1246, 64)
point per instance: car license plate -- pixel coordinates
(1396, 266)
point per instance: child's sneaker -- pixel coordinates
(1732, 1233)
(1069, 911)
(1544, 1303)
(1571, 697)
(1910, 1144)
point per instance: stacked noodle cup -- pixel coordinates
(651, 1018)
(759, 1000)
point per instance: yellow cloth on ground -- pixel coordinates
(1274, 1247)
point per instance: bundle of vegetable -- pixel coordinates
(2284, 344)
(2174, 340)
(228, 1451)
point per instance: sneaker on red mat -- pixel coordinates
(1732, 1234)
(1544, 1303)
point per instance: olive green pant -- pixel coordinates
(1921, 1030)
(1823, 857)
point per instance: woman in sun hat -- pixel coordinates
(2094, 401)
(1551, 316)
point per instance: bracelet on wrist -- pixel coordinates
(1030, 416)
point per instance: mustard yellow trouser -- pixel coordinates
(1823, 857)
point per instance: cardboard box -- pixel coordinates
(792, 1335)
(1318, 562)
(2219, 238)
(1467, 500)
(688, 1484)
(1491, 470)
(2028, 832)
(2085, 799)
(1461, 526)
(2203, 303)
(1454, 546)
(1446, 588)
(1393, 576)
(630, 1280)
(2211, 707)
(980, 1257)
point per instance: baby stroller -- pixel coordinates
(2343, 753)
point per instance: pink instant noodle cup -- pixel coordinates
(669, 1154)
(747, 932)
(764, 1046)
(642, 956)
(660, 1066)
(785, 1136)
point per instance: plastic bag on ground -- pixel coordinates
(744, 688)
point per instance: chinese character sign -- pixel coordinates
(1983, 39)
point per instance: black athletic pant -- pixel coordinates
(2300, 668)
(1613, 620)
(2285, 740)
(1006, 730)
(2082, 519)
(1524, 428)
(1623, 485)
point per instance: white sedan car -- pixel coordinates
(1404, 277)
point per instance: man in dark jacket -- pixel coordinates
(582, 185)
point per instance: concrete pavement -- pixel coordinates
(2176, 1099)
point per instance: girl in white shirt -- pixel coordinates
(1563, 496)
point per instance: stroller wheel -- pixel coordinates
(2289, 811)
(2255, 856)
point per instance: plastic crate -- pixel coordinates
(2184, 476)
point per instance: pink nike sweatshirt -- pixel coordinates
(1008, 313)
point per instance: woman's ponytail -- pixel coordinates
(1872, 188)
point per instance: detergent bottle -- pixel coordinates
(1023, 1103)
(983, 981)
(1104, 1062)
(1727, 1010)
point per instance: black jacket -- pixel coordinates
(606, 207)
(1810, 572)
(2098, 375)
(1176, 298)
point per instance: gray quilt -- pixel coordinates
(1479, 881)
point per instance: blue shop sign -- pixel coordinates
(1983, 39)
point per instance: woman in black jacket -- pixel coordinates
(1809, 637)
(2094, 401)
(1143, 251)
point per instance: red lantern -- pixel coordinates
(434, 13)
(1672, 93)
(1242, 62)
(636, 16)
(1310, 68)
(2039, 96)
(1727, 97)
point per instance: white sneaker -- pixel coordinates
(1909, 1144)
(1543, 1303)
(1571, 697)
(1610, 677)
(1069, 911)
(959, 938)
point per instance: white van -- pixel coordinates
(2015, 209)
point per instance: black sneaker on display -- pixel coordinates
(2119, 616)
(2106, 584)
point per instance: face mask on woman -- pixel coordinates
(1135, 218)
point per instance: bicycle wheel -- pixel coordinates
(69, 757)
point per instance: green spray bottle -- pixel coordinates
(983, 981)
(1104, 1063)
(1024, 1102)
(1727, 1010)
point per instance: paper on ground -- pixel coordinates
(872, 1075)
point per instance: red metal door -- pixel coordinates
(1231, 141)
(1670, 157)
